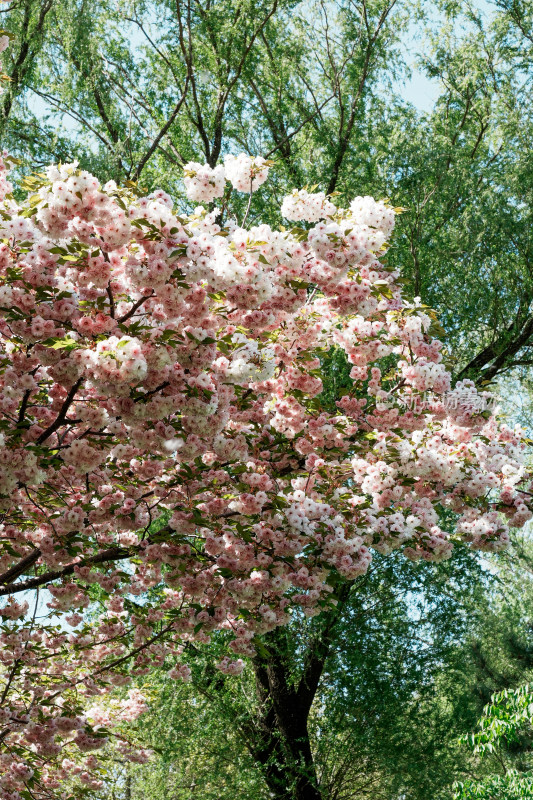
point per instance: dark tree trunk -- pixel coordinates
(278, 738)
(283, 748)
(275, 732)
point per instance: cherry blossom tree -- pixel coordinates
(166, 460)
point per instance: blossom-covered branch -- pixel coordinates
(164, 437)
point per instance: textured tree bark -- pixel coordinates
(279, 738)
(285, 750)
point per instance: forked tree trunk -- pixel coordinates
(278, 738)
(283, 748)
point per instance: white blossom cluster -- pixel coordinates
(247, 363)
(374, 213)
(203, 183)
(114, 361)
(245, 173)
(303, 205)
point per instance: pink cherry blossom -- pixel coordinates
(161, 382)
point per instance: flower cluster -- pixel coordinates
(164, 443)
(302, 205)
(202, 183)
(245, 173)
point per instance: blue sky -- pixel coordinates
(420, 90)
